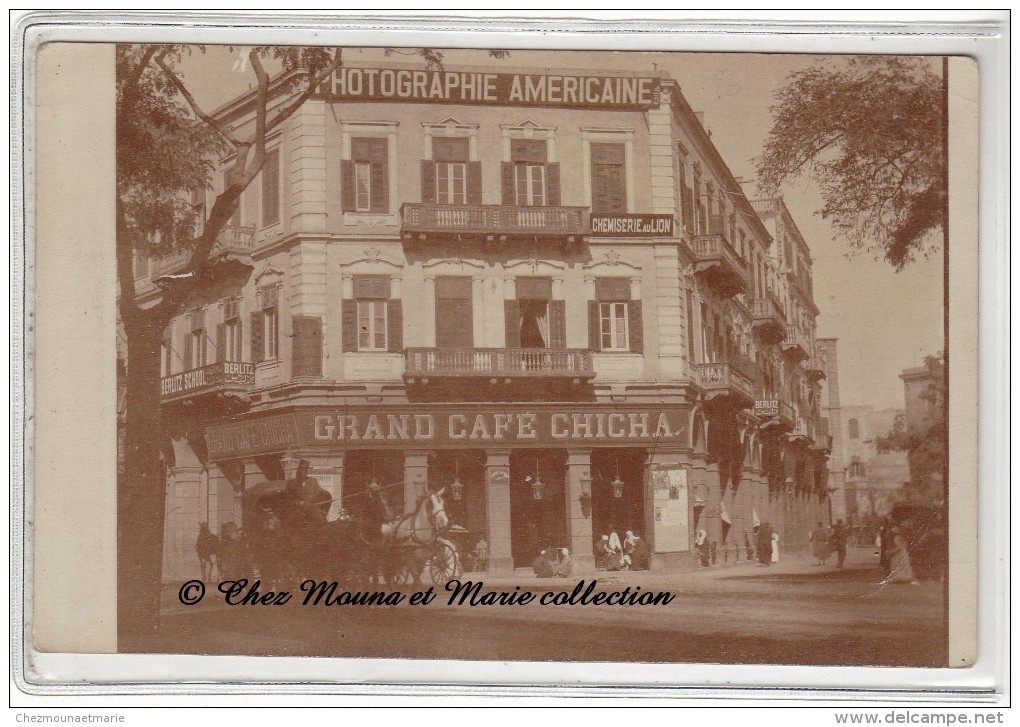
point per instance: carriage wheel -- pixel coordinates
(444, 563)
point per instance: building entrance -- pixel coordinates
(537, 503)
(618, 491)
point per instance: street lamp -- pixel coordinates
(290, 465)
(537, 486)
(617, 484)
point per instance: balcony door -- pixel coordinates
(534, 320)
(454, 315)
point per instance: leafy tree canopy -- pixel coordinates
(870, 131)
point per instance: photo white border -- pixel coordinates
(123, 674)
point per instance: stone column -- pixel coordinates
(184, 511)
(497, 511)
(578, 480)
(416, 475)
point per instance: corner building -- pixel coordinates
(543, 290)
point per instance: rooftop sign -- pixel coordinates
(500, 89)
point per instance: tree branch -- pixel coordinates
(183, 90)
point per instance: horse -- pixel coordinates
(408, 542)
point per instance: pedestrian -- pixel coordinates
(775, 547)
(839, 536)
(820, 543)
(764, 543)
(701, 547)
(900, 572)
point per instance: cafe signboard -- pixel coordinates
(433, 426)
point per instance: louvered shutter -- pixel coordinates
(557, 324)
(635, 327)
(380, 201)
(428, 181)
(512, 315)
(552, 185)
(307, 356)
(221, 342)
(348, 325)
(594, 337)
(509, 194)
(188, 352)
(271, 188)
(394, 325)
(474, 182)
(347, 186)
(258, 349)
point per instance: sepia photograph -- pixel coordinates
(535, 355)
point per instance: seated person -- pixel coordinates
(565, 564)
(545, 564)
(637, 549)
(612, 559)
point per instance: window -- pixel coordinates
(451, 183)
(228, 335)
(529, 180)
(854, 429)
(533, 319)
(608, 178)
(265, 328)
(449, 177)
(271, 188)
(614, 320)
(372, 321)
(195, 341)
(365, 177)
(198, 210)
(856, 468)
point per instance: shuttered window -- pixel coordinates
(372, 320)
(271, 188)
(449, 177)
(529, 180)
(608, 178)
(454, 319)
(307, 349)
(614, 320)
(365, 177)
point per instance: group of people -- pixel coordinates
(631, 553)
(553, 563)
(825, 541)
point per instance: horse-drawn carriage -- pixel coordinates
(288, 537)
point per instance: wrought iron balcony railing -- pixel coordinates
(492, 223)
(768, 319)
(726, 378)
(422, 363)
(796, 344)
(720, 264)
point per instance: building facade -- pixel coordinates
(866, 483)
(542, 290)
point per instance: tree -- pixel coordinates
(925, 442)
(166, 146)
(871, 131)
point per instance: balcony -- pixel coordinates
(796, 345)
(726, 379)
(768, 320)
(226, 377)
(719, 265)
(814, 369)
(232, 240)
(506, 364)
(493, 223)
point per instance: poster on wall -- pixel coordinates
(671, 510)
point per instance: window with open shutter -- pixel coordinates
(557, 324)
(530, 177)
(395, 325)
(271, 188)
(349, 325)
(608, 178)
(257, 329)
(454, 320)
(365, 177)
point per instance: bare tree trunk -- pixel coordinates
(141, 492)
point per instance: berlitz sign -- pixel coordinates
(519, 89)
(632, 225)
(435, 427)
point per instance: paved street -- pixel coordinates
(794, 613)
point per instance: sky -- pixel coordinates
(885, 321)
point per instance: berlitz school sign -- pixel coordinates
(512, 89)
(431, 426)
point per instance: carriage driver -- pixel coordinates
(379, 515)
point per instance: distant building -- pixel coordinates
(866, 482)
(922, 397)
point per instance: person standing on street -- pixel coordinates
(838, 539)
(820, 543)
